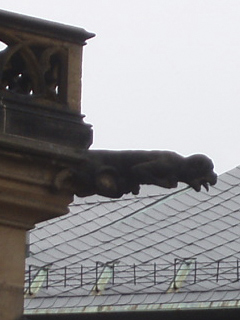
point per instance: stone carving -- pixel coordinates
(32, 69)
(114, 173)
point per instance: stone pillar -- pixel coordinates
(27, 196)
(41, 132)
(12, 243)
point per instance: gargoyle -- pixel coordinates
(114, 173)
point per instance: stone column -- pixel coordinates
(27, 196)
(12, 243)
(41, 133)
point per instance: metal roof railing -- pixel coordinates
(113, 277)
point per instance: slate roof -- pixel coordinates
(144, 242)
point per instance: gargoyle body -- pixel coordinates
(114, 173)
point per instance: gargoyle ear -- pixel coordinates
(106, 182)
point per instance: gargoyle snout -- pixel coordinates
(212, 179)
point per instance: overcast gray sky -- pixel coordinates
(160, 74)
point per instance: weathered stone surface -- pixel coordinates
(41, 131)
(115, 173)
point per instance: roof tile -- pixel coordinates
(142, 230)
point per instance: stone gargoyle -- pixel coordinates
(114, 173)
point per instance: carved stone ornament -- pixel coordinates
(41, 60)
(33, 69)
(40, 85)
(115, 173)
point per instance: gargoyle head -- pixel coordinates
(199, 172)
